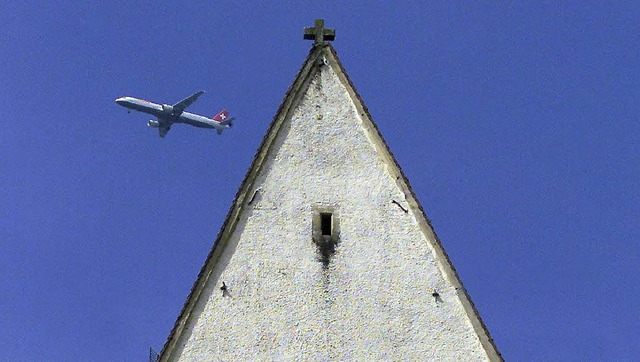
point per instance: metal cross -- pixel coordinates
(318, 33)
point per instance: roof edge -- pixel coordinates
(480, 328)
(284, 111)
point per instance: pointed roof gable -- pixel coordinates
(319, 55)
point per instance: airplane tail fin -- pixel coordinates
(221, 116)
(223, 119)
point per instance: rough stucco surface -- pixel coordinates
(372, 302)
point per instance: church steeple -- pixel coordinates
(326, 253)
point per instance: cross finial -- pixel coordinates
(318, 33)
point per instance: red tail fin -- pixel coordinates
(222, 116)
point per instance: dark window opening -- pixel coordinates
(325, 223)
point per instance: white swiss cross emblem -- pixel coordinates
(222, 116)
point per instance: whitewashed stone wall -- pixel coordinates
(374, 300)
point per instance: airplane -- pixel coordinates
(167, 115)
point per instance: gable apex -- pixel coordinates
(322, 55)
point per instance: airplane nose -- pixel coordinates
(120, 100)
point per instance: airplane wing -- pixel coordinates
(183, 104)
(163, 129)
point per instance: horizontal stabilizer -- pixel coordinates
(228, 122)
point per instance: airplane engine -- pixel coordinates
(167, 109)
(153, 124)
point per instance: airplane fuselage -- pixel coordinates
(165, 113)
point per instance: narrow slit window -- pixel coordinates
(325, 223)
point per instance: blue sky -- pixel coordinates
(516, 124)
